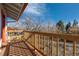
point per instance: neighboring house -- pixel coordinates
(74, 30)
(14, 33)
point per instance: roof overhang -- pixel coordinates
(14, 10)
(9, 29)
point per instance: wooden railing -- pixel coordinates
(53, 44)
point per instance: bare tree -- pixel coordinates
(32, 25)
(49, 27)
(38, 25)
(28, 23)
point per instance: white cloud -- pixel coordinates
(36, 9)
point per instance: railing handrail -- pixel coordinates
(71, 37)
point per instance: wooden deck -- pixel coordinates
(20, 49)
(46, 44)
(17, 48)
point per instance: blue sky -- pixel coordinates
(52, 12)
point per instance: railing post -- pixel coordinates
(65, 47)
(57, 47)
(74, 48)
(3, 29)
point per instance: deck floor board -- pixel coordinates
(20, 49)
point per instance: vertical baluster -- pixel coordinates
(57, 47)
(30, 40)
(37, 38)
(39, 41)
(34, 40)
(43, 43)
(48, 44)
(74, 48)
(64, 47)
(52, 46)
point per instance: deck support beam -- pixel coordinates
(3, 28)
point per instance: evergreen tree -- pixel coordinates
(68, 26)
(60, 25)
(75, 23)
